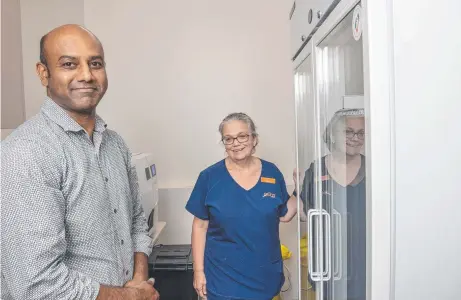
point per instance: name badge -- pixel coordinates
(323, 178)
(268, 180)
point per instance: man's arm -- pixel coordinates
(140, 267)
(33, 231)
(139, 291)
(115, 293)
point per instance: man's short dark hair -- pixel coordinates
(42, 50)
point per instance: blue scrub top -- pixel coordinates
(242, 253)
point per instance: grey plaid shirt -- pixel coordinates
(71, 218)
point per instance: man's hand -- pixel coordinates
(136, 281)
(144, 290)
(133, 290)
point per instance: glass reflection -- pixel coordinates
(341, 178)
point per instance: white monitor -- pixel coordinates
(148, 189)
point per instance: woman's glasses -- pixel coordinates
(241, 138)
(351, 133)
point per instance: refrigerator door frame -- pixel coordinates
(378, 55)
(306, 52)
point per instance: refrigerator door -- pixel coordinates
(341, 123)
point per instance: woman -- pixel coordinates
(237, 205)
(342, 180)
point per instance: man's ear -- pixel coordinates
(42, 72)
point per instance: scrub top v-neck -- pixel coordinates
(242, 251)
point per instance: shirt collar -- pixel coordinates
(59, 116)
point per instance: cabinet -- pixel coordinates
(364, 88)
(334, 149)
(305, 17)
(332, 169)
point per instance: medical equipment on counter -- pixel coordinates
(146, 171)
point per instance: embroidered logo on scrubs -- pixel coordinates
(268, 180)
(269, 195)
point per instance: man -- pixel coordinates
(72, 223)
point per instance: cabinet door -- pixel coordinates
(340, 87)
(322, 8)
(302, 23)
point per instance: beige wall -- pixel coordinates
(176, 68)
(1, 51)
(12, 92)
(39, 17)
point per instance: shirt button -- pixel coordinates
(126, 273)
(121, 242)
(115, 210)
(107, 179)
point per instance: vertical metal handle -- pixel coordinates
(327, 272)
(338, 261)
(315, 275)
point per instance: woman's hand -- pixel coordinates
(295, 176)
(200, 283)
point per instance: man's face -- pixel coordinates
(76, 76)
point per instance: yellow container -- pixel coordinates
(307, 293)
(286, 254)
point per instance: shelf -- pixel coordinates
(155, 232)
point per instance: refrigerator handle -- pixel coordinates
(338, 264)
(315, 275)
(327, 246)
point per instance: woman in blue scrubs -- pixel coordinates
(237, 205)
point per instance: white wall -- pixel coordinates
(428, 147)
(39, 17)
(176, 68)
(1, 102)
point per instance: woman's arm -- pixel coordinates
(199, 229)
(292, 207)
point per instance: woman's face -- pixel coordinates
(238, 140)
(350, 136)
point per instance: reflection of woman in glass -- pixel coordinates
(342, 177)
